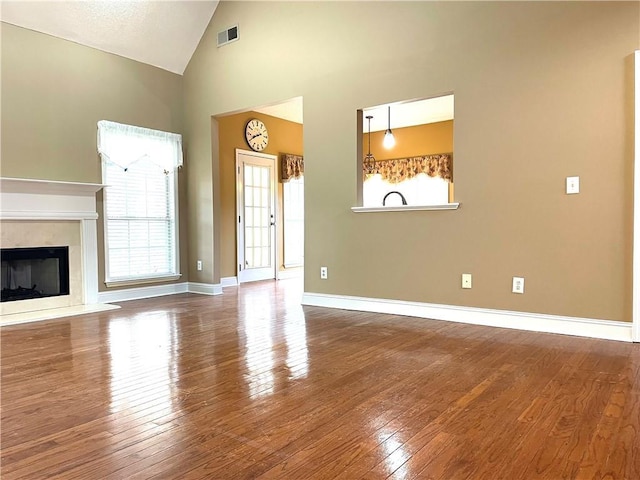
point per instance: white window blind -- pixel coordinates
(140, 203)
(293, 214)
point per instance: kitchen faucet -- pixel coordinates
(384, 200)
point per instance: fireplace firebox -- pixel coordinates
(29, 273)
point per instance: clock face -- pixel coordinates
(257, 135)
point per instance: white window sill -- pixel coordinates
(140, 281)
(406, 208)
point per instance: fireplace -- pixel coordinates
(50, 214)
(29, 273)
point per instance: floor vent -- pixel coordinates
(227, 36)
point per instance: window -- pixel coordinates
(140, 203)
(293, 213)
(419, 190)
(417, 167)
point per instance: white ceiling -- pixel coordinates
(408, 114)
(404, 114)
(289, 110)
(160, 33)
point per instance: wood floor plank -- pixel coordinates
(251, 385)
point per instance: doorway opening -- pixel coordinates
(274, 133)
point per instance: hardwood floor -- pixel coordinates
(251, 385)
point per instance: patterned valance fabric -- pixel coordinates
(398, 170)
(291, 166)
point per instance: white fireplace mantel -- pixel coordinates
(26, 199)
(29, 199)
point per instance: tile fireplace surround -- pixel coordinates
(38, 213)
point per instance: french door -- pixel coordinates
(255, 187)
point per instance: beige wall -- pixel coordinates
(284, 137)
(543, 91)
(53, 94)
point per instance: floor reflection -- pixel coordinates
(258, 318)
(395, 456)
(142, 352)
(295, 331)
(268, 333)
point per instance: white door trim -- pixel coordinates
(636, 206)
(241, 276)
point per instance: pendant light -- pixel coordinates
(369, 163)
(389, 140)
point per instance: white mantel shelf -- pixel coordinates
(30, 199)
(48, 187)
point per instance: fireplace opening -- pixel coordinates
(34, 272)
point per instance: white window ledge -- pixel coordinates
(406, 208)
(139, 281)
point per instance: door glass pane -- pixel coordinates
(256, 213)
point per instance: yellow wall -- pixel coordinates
(284, 137)
(543, 91)
(413, 141)
(53, 94)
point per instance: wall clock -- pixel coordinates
(256, 135)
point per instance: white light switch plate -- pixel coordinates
(573, 185)
(518, 285)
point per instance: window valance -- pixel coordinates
(400, 169)
(124, 145)
(292, 166)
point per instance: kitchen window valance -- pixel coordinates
(400, 169)
(124, 145)
(291, 166)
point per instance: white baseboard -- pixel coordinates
(229, 282)
(137, 293)
(535, 322)
(205, 288)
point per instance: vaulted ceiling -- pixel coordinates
(160, 33)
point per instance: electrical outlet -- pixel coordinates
(518, 285)
(573, 185)
(466, 280)
(324, 273)
(199, 264)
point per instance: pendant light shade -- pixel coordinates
(389, 140)
(369, 163)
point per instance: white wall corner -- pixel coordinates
(137, 293)
(205, 288)
(582, 327)
(229, 282)
(636, 205)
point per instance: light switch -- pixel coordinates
(573, 185)
(518, 285)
